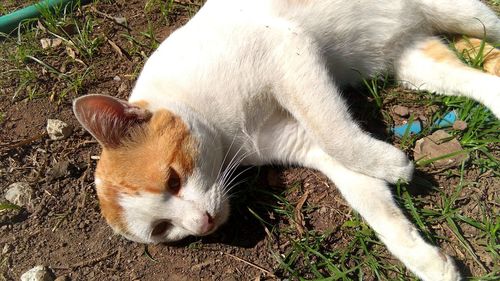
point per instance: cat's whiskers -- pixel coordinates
(230, 184)
(231, 168)
(225, 157)
(226, 179)
(233, 163)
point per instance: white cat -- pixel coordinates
(257, 82)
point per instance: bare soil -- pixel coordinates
(62, 227)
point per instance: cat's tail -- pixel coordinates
(467, 17)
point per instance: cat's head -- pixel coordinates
(157, 177)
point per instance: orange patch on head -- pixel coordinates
(148, 157)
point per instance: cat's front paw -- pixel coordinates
(392, 164)
(400, 168)
(442, 271)
(451, 273)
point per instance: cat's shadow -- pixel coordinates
(250, 211)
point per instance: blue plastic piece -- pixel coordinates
(447, 121)
(415, 128)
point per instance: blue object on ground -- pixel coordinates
(414, 128)
(447, 120)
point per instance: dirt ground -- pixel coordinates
(62, 228)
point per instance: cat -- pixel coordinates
(258, 82)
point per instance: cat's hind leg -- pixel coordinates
(373, 200)
(430, 65)
(468, 17)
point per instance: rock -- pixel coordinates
(440, 144)
(440, 136)
(38, 273)
(460, 125)
(19, 193)
(58, 130)
(62, 278)
(400, 110)
(120, 20)
(59, 170)
(117, 78)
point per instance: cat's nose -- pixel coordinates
(208, 224)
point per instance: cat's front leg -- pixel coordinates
(282, 139)
(373, 200)
(305, 90)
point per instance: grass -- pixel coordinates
(455, 216)
(8, 206)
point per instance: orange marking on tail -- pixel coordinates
(439, 52)
(471, 47)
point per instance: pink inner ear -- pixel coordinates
(107, 118)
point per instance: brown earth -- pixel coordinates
(62, 227)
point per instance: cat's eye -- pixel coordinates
(160, 228)
(174, 182)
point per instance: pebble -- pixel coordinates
(59, 170)
(117, 78)
(19, 193)
(38, 273)
(400, 110)
(323, 210)
(460, 125)
(120, 20)
(58, 129)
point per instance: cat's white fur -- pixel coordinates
(258, 81)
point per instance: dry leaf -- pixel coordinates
(71, 52)
(45, 43)
(50, 43)
(115, 47)
(299, 217)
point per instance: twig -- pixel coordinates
(299, 217)
(17, 144)
(252, 264)
(87, 262)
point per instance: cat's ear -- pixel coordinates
(108, 119)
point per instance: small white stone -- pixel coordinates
(117, 78)
(7, 248)
(120, 20)
(38, 273)
(58, 130)
(19, 193)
